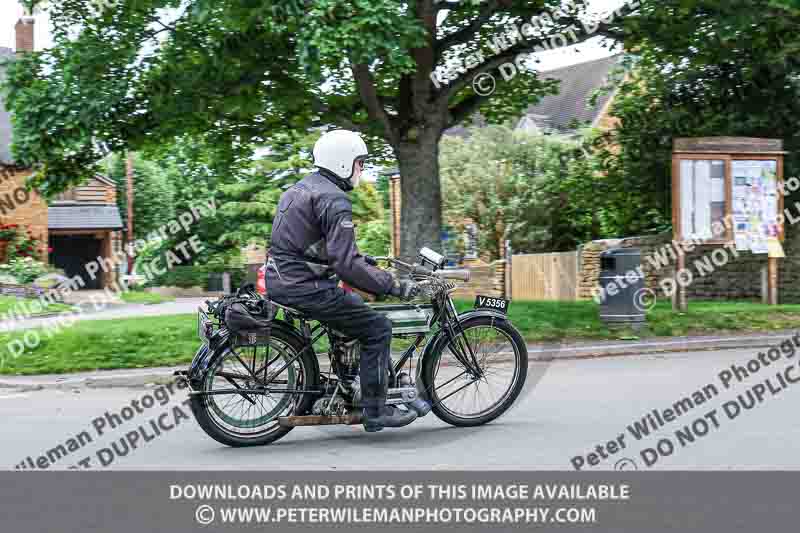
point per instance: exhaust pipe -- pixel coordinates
(318, 420)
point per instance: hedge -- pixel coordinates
(196, 276)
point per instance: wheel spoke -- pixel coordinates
(463, 396)
(255, 415)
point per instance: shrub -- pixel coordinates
(197, 276)
(25, 269)
(8, 279)
(24, 245)
(374, 237)
(8, 232)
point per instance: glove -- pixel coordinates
(405, 289)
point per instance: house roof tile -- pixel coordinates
(571, 106)
(83, 217)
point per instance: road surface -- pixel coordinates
(559, 422)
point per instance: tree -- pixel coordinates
(241, 71)
(517, 186)
(249, 204)
(153, 193)
(704, 68)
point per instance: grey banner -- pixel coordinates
(125, 502)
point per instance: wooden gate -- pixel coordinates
(544, 276)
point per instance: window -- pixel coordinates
(702, 197)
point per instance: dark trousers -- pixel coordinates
(348, 313)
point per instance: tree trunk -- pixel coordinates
(421, 196)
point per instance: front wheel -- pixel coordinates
(463, 399)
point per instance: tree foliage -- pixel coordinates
(701, 68)
(517, 186)
(239, 72)
(248, 206)
(249, 203)
(153, 195)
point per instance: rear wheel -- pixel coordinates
(241, 419)
(461, 398)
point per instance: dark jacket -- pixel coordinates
(313, 240)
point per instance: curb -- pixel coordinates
(43, 315)
(539, 352)
(665, 345)
(113, 379)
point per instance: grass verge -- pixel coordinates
(171, 340)
(101, 344)
(143, 297)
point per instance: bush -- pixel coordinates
(181, 276)
(24, 246)
(8, 279)
(198, 276)
(26, 270)
(374, 238)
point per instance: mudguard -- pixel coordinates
(208, 354)
(433, 343)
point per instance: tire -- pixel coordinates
(431, 368)
(229, 431)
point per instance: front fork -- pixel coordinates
(455, 334)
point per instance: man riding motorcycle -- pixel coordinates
(313, 245)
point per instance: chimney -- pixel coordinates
(24, 29)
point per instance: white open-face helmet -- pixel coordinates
(337, 150)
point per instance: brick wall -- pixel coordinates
(738, 278)
(24, 34)
(486, 279)
(23, 207)
(789, 268)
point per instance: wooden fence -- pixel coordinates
(544, 276)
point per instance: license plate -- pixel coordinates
(490, 302)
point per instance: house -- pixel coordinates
(569, 110)
(75, 228)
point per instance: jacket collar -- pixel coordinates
(345, 185)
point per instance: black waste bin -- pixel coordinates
(623, 294)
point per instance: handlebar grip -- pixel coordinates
(457, 274)
(370, 260)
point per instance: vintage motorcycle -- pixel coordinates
(252, 386)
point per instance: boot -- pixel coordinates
(420, 406)
(387, 416)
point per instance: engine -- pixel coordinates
(328, 406)
(345, 356)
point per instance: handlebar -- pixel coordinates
(418, 270)
(458, 274)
